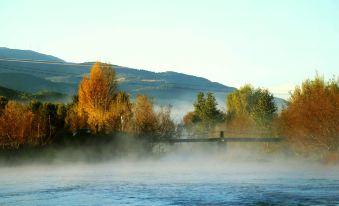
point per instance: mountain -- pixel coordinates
(26, 54)
(49, 73)
(60, 76)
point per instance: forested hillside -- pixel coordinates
(30, 71)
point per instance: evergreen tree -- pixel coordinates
(199, 106)
(205, 114)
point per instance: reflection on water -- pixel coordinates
(173, 182)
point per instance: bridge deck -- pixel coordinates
(226, 139)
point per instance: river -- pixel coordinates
(171, 182)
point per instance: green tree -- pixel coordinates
(35, 106)
(211, 113)
(61, 112)
(205, 115)
(238, 102)
(255, 104)
(263, 108)
(48, 120)
(3, 103)
(199, 106)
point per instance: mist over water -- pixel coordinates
(186, 175)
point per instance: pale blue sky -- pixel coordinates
(274, 44)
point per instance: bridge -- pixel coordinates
(222, 139)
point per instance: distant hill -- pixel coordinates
(10, 93)
(64, 77)
(30, 83)
(25, 96)
(26, 54)
(56, 75)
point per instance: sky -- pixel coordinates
(270, 44)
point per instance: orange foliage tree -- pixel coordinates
(15, 125)
(311, 120)
(96, 95)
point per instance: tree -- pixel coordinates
(61, 112)
(96, 95)
(211, 114)
(15, 125)
(238, 102)
(48, 119)
(150, 125)
(144, 117)
(190, 119)
(3, 103)
(73, 120)
(263, 109)
(35, 106)
(206, 108)
(254, 104)
(311, 120)
(199, 106)
(166, 127)
(121, 113)
(205, 115)
(39, 128)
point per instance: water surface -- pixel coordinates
(174, 182)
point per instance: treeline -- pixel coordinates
(33, 124)
(99, 107)
(309, 122)
(249, 112)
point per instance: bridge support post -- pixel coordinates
(222, 144)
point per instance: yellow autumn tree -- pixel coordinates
(120, 113)
(149, 124)
(96, 95)
(145, 119)
(73, 121)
